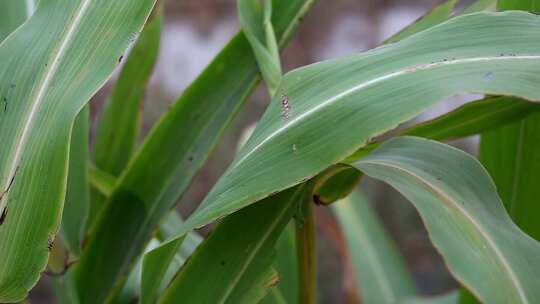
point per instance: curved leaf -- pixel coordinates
(51, 66)
(347, 101)
(464, 216)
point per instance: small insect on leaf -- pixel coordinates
(285, 107)
(50, 243)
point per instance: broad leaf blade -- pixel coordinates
(348, 101)
(381, 275)
(235, 260)
(182, 140)
(51, 66)
(465, 218)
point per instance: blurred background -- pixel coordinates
(196, 30)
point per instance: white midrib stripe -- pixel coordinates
(30, 7)
(40, 93)
(487, 237)
(370, 254)
(373, 81)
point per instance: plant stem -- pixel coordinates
(306, 253)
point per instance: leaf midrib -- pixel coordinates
(373, 81)
(40, 93)
(446, 197)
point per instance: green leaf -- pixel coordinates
(168, 228)
(255, 22)
(51, 66)
(101, 181)
(348, 101)
(121, 117)
(380, 271)
(525, 5)
(77, 203)
(274, 296)
(120, 120)
(234, 264)
(335, 183)
(464, 216)
(511, 155)
(154, 268)
(335, 187)
(287, 267)
(170, 225)
(13, 14)
(175, 150)
(160, 266)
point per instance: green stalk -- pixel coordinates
(306, 253)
